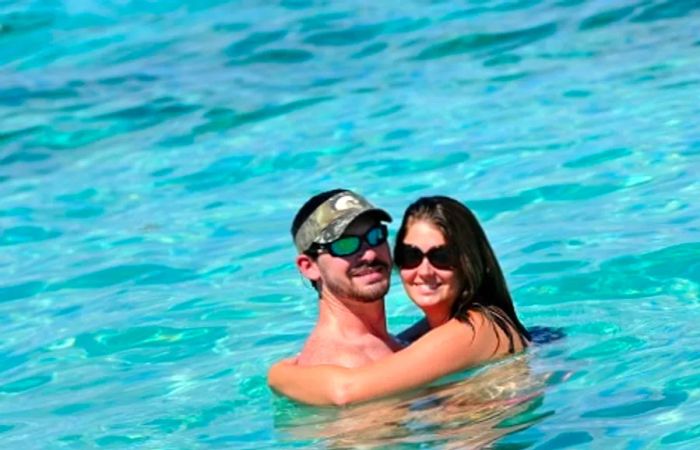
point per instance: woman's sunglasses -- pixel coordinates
(410, 257)
(349, 245)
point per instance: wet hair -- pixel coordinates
(304, 212)
(484, 287)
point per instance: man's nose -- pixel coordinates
(367, 252)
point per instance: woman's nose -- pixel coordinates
(424, 268)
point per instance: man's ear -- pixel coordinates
(308, 267)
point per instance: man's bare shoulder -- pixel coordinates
(329, 349)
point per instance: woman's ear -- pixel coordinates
(308, 267)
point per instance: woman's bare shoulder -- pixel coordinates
(487, 329)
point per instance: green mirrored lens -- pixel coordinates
(345, 246)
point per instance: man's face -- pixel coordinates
(362, 276)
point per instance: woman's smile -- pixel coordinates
(432, 289)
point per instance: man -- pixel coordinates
(343, 252)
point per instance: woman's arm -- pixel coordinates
(314, 385)
(446, 349)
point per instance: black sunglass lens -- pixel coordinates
(409, 257)
(440, 258)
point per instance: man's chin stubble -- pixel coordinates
(371, 295)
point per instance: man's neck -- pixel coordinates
(354, 318)
(348, 333)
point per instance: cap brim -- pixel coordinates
(336, 229)
(383, 215)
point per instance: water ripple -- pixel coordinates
(140, 274)
(490, 42)
(26, 234)
(222, 119)
(667, 10)
(24, 22)
(687, 434)
(20, 291)
(662, 400)
(279, 56)
(606, 18)
(349, 36)
(150, 343)
(253, 42)
(25, 384)
(625, 277)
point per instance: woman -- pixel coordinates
(450, 271)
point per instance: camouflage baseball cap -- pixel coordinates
(330, 219)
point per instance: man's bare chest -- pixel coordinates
(357, 352)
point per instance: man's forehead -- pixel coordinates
(362, 223)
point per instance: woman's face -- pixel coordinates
(431, 288)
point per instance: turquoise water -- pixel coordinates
(153, 154)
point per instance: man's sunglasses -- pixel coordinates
(410, 257)
(349, 245)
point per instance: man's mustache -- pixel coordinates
(370, 265)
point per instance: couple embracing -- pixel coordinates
(449, 271)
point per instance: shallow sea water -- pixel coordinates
(153, 154)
